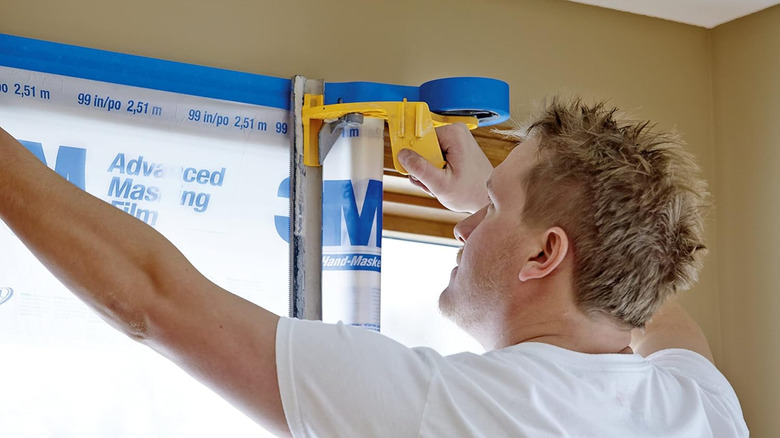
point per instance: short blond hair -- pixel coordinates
(630, 199)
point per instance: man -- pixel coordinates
(577, 239)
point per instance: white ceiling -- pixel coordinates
(704, 13)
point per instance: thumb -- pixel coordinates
(420, 168)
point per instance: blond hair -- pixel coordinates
(630, 199)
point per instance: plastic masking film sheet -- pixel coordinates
(207, 175)
(213, 177)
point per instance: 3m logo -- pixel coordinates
(340, 209)
(5, 294)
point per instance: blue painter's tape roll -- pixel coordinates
(485, 98)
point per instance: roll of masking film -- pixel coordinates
(352, 226)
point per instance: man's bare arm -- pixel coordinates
(670, 327)
(142, 285)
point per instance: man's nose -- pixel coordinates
(464, 228)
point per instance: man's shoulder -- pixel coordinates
(683, 363)
(543, 352)
(531, 363)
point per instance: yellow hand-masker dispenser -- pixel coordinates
(411, 125)
(336, 216)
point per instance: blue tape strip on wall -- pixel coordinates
(139, 71)
(486, 98)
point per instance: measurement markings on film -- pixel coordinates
(25, 91)
(219, 120)
(249, 123)
(208, 118)
(132, 106)
(114, 102)
(141, 107)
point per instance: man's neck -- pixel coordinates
(570, 329)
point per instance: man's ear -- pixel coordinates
(555, 247)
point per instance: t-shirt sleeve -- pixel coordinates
(721, 398)
(337, 380)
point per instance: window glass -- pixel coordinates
(413, 276)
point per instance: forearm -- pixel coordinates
(110, 260)
(670, 327)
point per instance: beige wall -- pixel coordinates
(746, 69)
(656, 69)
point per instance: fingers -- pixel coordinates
(452, 136)
(419, 168)
(416, 182)
(460, 186)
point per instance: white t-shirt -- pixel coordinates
(339, 381)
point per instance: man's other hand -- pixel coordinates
(460, 186)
